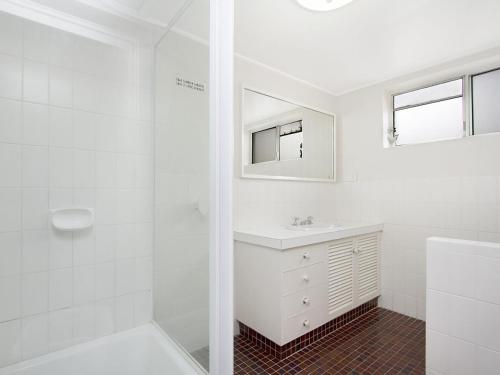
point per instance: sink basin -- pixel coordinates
(316, 227)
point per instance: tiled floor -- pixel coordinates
(380, 342)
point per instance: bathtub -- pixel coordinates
(141, 351)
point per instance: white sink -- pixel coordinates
(316, 227)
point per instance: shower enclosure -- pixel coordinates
(115, 182)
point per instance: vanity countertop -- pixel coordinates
(282, 239)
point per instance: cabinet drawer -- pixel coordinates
(301, 324)
(302, 257)
(304, 277)
(313, 298)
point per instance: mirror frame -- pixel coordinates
(285, 178)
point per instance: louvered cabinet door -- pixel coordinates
(341, 276)
(368, 273)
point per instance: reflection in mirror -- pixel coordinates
(282, 140)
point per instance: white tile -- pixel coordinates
(105, 170)
(84, 197)
(143, 307)
(144, 239)
(61, 87)
(463, 323)
(488, 327)
(35, 124)
(11, 34)
(487, 361)
(35, 336)
(61, 167)
(35, 208)
(85, 92)
(83, 323)
(105, 280)
(437, 352)
(105, 317)
(105, 133)
(10, 295)
(62, 48)
(36, 41)
(35, 293)
(84, 130)
(35, 166)
(124, 312)
(61, 249)
(10, 253)
(125, 169)
(61, 127)
(60, 329)
(125, 206)
(462, 273)
(105, 243)
(487, 279)
(35, 251)
(84, 247)
(60, 288)
(11, 121)
(462, 357)
(10, 165)
(11, 203)
(84, 163)
(125, 241)
(10, 342)
(11, 75)
(83, 285)
(125, 276)
(105, 206)
(36, 82)
(438, 311)
(144, 274)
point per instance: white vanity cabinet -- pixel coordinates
(285, 293)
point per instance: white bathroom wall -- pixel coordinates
(449, 188)
(181, 190)
(463, 332)
(74, 131)
(269, 202)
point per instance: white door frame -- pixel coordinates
(221, 184)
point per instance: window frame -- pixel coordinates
(466, 97)
(471, 86)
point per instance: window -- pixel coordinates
(429, 114)
(283, 142)
(485, 102)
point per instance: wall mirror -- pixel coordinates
(284, 140)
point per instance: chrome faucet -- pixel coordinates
(307, 221)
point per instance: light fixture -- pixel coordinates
(323, 5)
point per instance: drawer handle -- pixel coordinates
(305, 278)
(306, 301)
(306, 255)
(306, 323)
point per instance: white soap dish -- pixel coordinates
(72, 219)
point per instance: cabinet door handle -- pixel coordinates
(306, 255)
(306, 301)
(305, 278)
(306, 323)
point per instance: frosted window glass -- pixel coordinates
(486, 100)
(264, 146)
(432, 122)
(291, 146)
(429, 94)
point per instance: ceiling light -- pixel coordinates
(323, 5)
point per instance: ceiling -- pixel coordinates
(361, 44)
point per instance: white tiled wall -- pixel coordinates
(463, 307)
(449, 188)
(74, 131)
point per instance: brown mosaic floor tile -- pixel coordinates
(380, 342)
